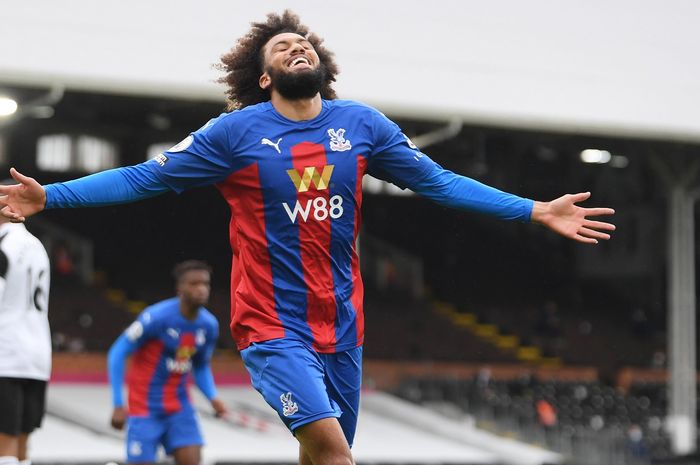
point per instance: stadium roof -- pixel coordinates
(626, 68)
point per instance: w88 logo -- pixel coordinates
(320, 208)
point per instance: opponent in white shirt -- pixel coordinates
(25, 339)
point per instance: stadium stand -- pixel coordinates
(589, 420)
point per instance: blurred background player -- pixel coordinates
(25, 339)
(168, 340)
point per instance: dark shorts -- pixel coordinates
(304, 386)
(22, 403)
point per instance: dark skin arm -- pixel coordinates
(118, 418)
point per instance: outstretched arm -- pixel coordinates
(563, 216)
(396, 159)
(120, 185)
(205, 157)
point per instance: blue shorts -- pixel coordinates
(304, 386)
(144, 434)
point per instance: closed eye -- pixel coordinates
(284, 45)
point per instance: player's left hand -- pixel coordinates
(563, 216)
(220, 409)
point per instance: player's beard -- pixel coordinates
(298, 85)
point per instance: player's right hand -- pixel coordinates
(21, 200)
(118, 418)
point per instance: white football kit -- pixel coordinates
(25, 338)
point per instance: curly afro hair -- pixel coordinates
(244, 64)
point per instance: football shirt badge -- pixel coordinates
(338, 141)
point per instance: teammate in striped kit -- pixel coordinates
(289, 160)
(168, 340)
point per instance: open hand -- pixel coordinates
(18, 201)
(563, 216)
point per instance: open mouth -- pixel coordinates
(299, 62)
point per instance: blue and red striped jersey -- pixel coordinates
(295, 193)
(166, 347)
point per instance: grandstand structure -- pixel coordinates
(391, 431)
(476, 329)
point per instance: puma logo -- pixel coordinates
(266, 141)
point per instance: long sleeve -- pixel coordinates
(455, 191)
(201, 366)
(111, 187)
(204, 379)
(116, 363)
(396, 159)
(203, 158)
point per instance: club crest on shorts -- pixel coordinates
(135, 448)
(289, 407)
(338, 141)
